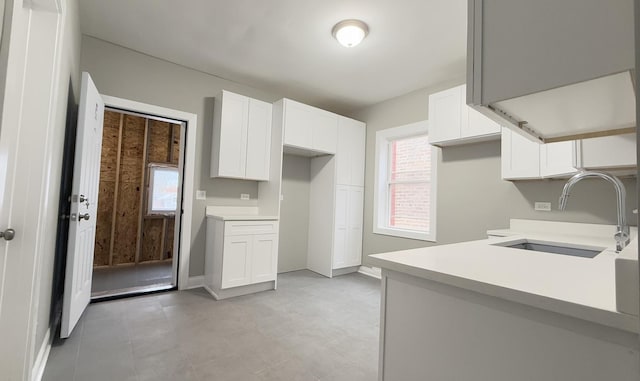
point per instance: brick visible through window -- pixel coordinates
(409, 182)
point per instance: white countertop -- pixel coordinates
(241, 217)
(580, 287)
(228, 213)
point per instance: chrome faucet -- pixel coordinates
(622, 233)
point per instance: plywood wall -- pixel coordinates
(124, 233)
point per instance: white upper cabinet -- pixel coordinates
(350, 152)
(309, 128)
(556, 159)
(452, 122)
(258, 140)
(524, 159)
(610, 152)
(241, 141)
(520, 157)
(553, 70)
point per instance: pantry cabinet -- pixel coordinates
(452, 122)
(309, 128)
(241, 140)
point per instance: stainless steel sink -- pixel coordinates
(575, 251)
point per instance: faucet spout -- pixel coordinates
(622, 235)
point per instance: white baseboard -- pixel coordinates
(195, 282)
(374, 272)
(41, 360)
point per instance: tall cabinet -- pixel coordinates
(336, 146)
(348, 216)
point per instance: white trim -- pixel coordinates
(41, 360)
(195, 282)
(380, 191)
(189, 172)
(374, 272)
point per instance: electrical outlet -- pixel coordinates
(201, 195)
(542, 206)
(244, 196)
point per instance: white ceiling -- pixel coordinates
(285, 46)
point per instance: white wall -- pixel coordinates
(472, 197)
(124, 73)
(294, 214)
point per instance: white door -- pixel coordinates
(84, 206)
(29, 117)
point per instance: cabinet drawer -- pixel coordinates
(250, 227)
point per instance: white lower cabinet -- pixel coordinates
(240, 253)
(347, 251)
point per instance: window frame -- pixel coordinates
(381, 189)
(153, 167)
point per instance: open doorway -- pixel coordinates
(139, 190)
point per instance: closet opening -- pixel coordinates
(137, 245)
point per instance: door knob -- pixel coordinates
(83, 217)
(8, 234)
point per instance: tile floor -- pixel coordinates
(112, 279)
(311, 328)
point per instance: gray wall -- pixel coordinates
(472, 197)
(294, 213)
(127, 74)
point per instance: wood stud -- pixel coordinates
(159, 142)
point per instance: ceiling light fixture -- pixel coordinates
(350, 33)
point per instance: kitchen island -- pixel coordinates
(484, 311)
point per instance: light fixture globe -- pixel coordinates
(350, 33)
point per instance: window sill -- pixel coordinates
(431, 237)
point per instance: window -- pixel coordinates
(405, 192)
(163, 189)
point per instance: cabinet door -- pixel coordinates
(445, 115)
(340, 225)
(236, 261)
(350, 152)
(233, 135)
(297, 124)
(357, 158)
(343, 152)
(556, 159)
(354, 223)
(609, 152)
(477, 124)
(264, 260)
(324, 131)
(520, 156)
(258, 140)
